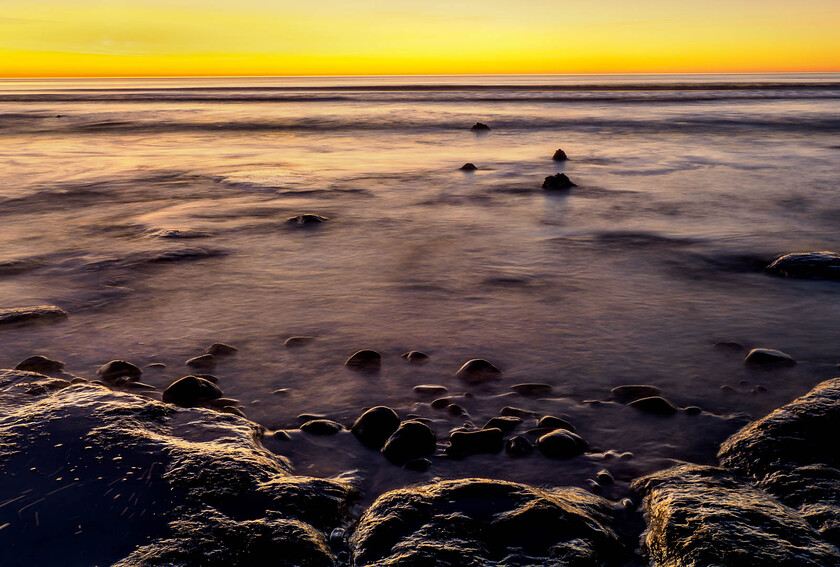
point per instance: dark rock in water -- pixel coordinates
(418, 465)
(480, 126)
(807, 265)
(232, 410)
(560, 155)
(628, 393)
(203, 362)
(604, 477)
(298, 341)
(306, 220)
(430, 389)
(156, 365)
(552, 422)
(562, 444)
(506, 423)
(416, 357)
(441, 403)
(321, 427)
(478, 370)
(558, 182)
(519, 446)
(485, 523)
(693, 410)
(34, 314)
(655, 405)
(510, 411)
(532, 390)
(455, 410)
(304, 417)
(468, 167)
(475, 442)
(702, 515)
(39, 363)
(412, 440)
(190, 391)
(221, 349)
(375, 426)
(110, 371)
(365, 360)
(769, 357)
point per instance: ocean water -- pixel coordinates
(687, 187)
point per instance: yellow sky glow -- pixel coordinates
(322, 37)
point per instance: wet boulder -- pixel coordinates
(769, 357)
(562, 444)
(33, 314)
(468, 167)
(485, 523)
(558, 182)
(655, 405)
(190, 391)
(505, 423)
(477, 371)
(306, 219)
(411, 440)
(532, 390)
(430, 389)
(221, 349)
(375, 426)
(40, 363)
(111, 371)
(551, 422)
(480, 127)
(519, 446)
(630, 392)
(321, 427)
(416, 357)
(203, 362)
(475, 442)
(560, 155)
(365, 359)
(807, 265)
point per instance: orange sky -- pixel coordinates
(41, 38)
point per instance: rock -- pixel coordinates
(485, 523)
(506, 424)
(480, 126)
(558, 182)
(477, 371)
(468, 167)
(375, 426)
(209, 377)
(298, 341)
(156, 365)
(412, 440)
(42, 364)
(562, 444)
(110, 371)
(321, 427)
(702, 515)
(560, 155)
(416, 357)
(455, 410)
(190, 391)
(519, 446)
(441, 403)
(306, 219)
(203, 362)
(475, 442)
(34, 314)
(364, 360)
(769, 357)
(509, 411)
(807, 265)
(221, 349)
(533, 390)
(418, 465)
(604, 477)
(232, 410)
(551, 422)
(430, 389)
(693, 410)
(138, 386)
(628, 393)
(655, 405)
(304, 417)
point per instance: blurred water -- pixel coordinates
(686, 185)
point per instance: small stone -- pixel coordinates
(416, 357)
(505, 424)
(233, 410)
(364, 360)
(375, 426)
(190, 391)
(321, 427)
(282, 435)
(552, 422)
(468, 167)
(455, 410)
(306, 219)
(628, 393)
(418, 465)
(156, 365)
(558, 182)
(110, 371)
(298, 341)
(627, 504)
(337, 537)
(280, 391)
(510, 411)
(518, 447)
(441, 403)
(693, 410)
(562, 444)
(78, 380)
(560, 155)
(475, 442)
(430, 389)
(412, 440)
(34, 314)
(532, 390)
(654, 405)
(203, 362)
(604, 477)
(477, 371)
(769, 357)
(39, 363)
(726, 389)
(594, 486)
(221, 349)
(480, 126)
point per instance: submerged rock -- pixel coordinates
(562, 444)
(411, 440)
(700, 515)
(34, 314)
(298, 341)
(534, 390)
(655, 405)
(221, 349)
(468, 167)
(807, 265)
(519, 446)
(111, 371)
(477, 371)
(40, 363)
(306, 219)
(480, 126)
(485, 523)
(560, 155)
(416, 357)
(474, 442)
(558, 182)
(203, 362)
(364, 360)
(321, 427)
(375, 426)
(627, 393)
(190, 391)
(430, 389)
(769, 357)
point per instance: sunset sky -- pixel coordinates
(318, 37)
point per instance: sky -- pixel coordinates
(84, 38)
